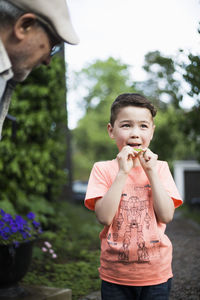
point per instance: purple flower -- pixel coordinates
(18, 229)
(31, 216)
(7, 218)
(4, 236)
(14, 228)
(24, 235)
(7, 230)
(36, 224)
(20, 220)
(2, 212)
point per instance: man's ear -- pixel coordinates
(110, 131)
(23, 25)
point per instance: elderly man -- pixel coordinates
(30, 33)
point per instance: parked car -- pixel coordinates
(79, 190)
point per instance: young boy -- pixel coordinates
(134, 196)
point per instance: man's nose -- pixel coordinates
(47, 61)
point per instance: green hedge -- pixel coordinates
(31, 166)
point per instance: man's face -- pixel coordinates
(31, 52)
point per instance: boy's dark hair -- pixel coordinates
(130, 99)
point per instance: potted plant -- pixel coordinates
(17, 236)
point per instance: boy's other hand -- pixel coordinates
(148, 159)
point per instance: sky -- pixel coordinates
(127, 30)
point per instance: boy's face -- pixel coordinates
(133, 126)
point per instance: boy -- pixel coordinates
(134, 196)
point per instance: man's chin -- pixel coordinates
(21, 76)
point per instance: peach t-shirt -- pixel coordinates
(134, 248)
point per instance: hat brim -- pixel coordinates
(55, 14)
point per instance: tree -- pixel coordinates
(191, 125)
(169, 142)
(164, 88)
(32, 165)
(104, 81)
(162, 85)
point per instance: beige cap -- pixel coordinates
(54, 13)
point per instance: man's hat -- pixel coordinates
(54, 13)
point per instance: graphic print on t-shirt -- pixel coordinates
(134, 227)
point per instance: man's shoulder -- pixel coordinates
(5, 63)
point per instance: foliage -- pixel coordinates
(76, 242)
(32, 163)
(167, 76)
(175, 126)
(169, 142)
(162, 86)
(80, 225)
(14, 230)
(191, 126)
(80, 276)
(105, 80)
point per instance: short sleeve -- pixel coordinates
(98, 184)
(169, 184)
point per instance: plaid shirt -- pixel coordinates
(6, 84)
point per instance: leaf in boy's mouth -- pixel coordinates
(138, 150)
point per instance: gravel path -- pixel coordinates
(185, 237)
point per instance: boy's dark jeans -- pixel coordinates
(112, 291)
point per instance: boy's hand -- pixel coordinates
(125, 159)
(148, 159)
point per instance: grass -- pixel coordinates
(74, 235)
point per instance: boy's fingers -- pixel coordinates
(142, 152)
(144, 155)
